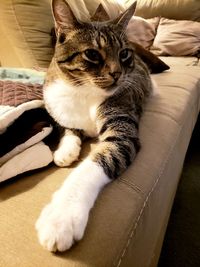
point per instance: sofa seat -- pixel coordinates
(131, 214)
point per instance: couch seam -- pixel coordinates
(133, 186)
(162, 114)
(19, 28)
(132, 232)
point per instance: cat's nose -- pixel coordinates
(115, 75)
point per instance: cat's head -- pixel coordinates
(92, 53)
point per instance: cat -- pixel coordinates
(96, 86)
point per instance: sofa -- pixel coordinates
(127, 224)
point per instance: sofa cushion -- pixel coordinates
(25, 28)
(172, 9)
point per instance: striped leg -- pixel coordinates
(118, 146)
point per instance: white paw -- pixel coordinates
(68, 151)
(61, 224)
(64, 219)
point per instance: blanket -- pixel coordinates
(24, 123)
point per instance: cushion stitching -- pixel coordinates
(19, 28)
(164, 114)
(130, 185)
(147, 198)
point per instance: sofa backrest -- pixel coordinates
(171, 9)
(25, 25)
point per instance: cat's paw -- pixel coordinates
(60, 225)
(63, 221)
(68, 151)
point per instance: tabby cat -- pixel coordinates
(97, 85)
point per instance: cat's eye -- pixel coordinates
(125, 54)
(93, 55)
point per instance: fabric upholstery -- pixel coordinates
(25, 28)
(127, 224)
(172, 9)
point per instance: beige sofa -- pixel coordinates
(127, 225)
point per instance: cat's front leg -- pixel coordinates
(64, 219)
(68, 149)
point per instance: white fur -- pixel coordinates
(74, 106)
(64, 219)
(67, 151)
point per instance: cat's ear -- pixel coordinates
(63, 15)
(100, 14)
(125, 17)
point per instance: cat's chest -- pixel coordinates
(73, 107)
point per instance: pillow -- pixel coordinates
(177, 38)
(172, 9)
(142, 31)
(25, 28)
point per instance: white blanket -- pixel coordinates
(24, 122)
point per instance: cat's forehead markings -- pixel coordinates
(95, 43)
(102, 40)
(116, 40)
